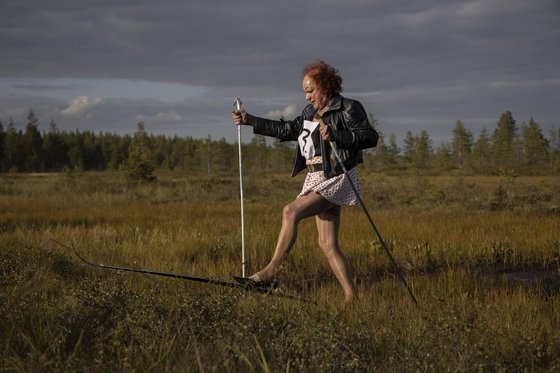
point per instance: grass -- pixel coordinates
(482, 254)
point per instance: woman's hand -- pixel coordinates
(325, 131)
(238, 116)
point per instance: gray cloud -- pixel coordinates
(414, 65)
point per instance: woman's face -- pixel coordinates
(313, 93)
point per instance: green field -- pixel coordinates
(481, 253)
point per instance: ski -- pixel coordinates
(205, 280)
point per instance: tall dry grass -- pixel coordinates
(482, 255)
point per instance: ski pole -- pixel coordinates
(238, 106)
(381, 241)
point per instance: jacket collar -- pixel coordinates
(336, 103)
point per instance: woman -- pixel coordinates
(328, 118)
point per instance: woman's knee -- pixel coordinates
(290, 212)
(328, 247)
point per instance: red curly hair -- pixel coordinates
(325, 76)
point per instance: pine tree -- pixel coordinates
(281, 157)
(503, 142)
(92, 155)
(190, 154)
(55, 150)
(255, 154)
(225, 156)
(534, 145)
(443, 157)
(422, 150)
(381, 157)
(482, 152)
(160, 151)
(409, 145)
(118, 149)
(32, 143)
(13, 148)
(139, 164)
(75, 141)
(393, 148)
(461, 145)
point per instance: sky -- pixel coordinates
(177, 65)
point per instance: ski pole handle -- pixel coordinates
(238, 104)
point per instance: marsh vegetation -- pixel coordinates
(482, 254)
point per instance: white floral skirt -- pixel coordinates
(336, 189)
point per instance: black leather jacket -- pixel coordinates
(351, 128)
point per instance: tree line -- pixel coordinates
(33, 150)
(507, 149)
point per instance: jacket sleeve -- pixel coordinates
(357, 132)
(281, 129)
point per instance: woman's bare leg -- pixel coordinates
(302, 207)
(328, 223)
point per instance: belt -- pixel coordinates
(314, 167)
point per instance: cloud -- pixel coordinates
(287, 113)
(41, 87)
(168, 116)
(82, 106)
(433, 61)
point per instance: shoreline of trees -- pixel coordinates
(508, 149)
